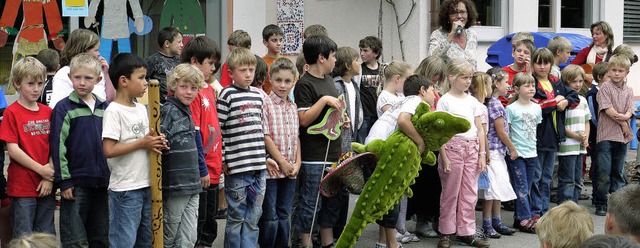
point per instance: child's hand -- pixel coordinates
(225, 168)
(620, 117)
(488, 159)
(67, 194)
(155, 143)
(562, 104)
(44, 188)
(287, 168)
(482, 166)
(421, 146)
(295, 171)
(332, 102)
(205, 181)
(46, 172)
(513, 154)
(584, 144)
(446, 165)
(104, 65)
(347, 121)
(272, 167)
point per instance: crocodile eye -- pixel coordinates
(439, 122)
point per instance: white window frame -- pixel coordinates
(556, 11)
(494, 33)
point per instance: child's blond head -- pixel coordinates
(240, 56)
(35, 240)
(559, 44)
(626, 51)
(27, 67)
(185, 73)
(528, 44)
(455, 68)
(571, 72)
(565, 226)
(239, 38)
(315, 29)
(521, 79)
(521, 36)
(282, 64)
(619, 61)
(431, 67)
(85, 61)
(479, 81)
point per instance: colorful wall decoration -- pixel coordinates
(290, 17)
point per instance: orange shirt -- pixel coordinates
(266, 86)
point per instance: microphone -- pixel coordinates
(459, 30)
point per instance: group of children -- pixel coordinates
(248, 128)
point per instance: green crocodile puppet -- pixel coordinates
(398, 165)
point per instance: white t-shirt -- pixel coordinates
(125, 125)
(386, 98)
(388, 122)
(61, 86)
(351, 90)
(466, 107)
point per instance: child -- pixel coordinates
(126, 140)
(500, 189)
(553, 97)
(260, 74)
(313, 30)
(314, 94)
(521, 36)
(203, 53)
(417, 89)
(25, 129)
(523, 116)
(432, 67)
(577, 129)
(626, 51)
(370, 52)
(80, 41)
(394, 75)
(272, 39)
(567, 225)
(561, 49)
(181, 183)
(600, 76)
(51, 60)
(81, 168)
(615, 100)
(240, 116)
(238, 38)
(166, 58)
(280, 122)
(461, 160)
(521, 62)
(344, 73)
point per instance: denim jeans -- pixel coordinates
(611, 160)
(32, 214)
(276, 213)
(84, 222)
(541, 188)
(569, 178)
(180, 219)
(130, 218)
(521, 171)
(367, 123)
(309, 180)
(207, 211)
(244, 192)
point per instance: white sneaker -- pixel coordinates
(406, 237)
(425, 230)
(380, 245)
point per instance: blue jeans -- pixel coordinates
(84, 222)
(130, 218)
(541, 188)
(309, 180)
(521, 171)
(32, 214)
(569, 178)
(611, 156)
(276, 213)
(180, 219)
(244, 193)
(367, 123)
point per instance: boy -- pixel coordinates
(25, 129)
(272, 39)
(240, 115)
(521, 36)
(561, 49)
(615, 100)
(161, 63)
(566, 225)
(51, 60)
(370, 52)
(314, 94)
(239, 38)
(313, 30)
(622, 213)
(81, 168)
(203, 53)
(181, 183)
(521, 53)
(126, 140)
(280, 124)
(599, 76)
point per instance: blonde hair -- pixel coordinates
(497, 74)
(35, 240)
(477, 89)
(571, 72)
(282, 64)
(455, 68)
(79, 41)
(185, 73)
(239, 38)
(430, 67)
(521, 36)
(240, 56)
(606, 30)
(519, 80)
(85, 61)
(315, 29)
(559, 44)
(395, 68)
(27, 67)
(565, 226)
(626, 51)
(619, 61)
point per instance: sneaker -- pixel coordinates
(425, 230)
(473, 241)
(406, 237)
(380, 245)
(491, 233)
(445, 241)
(222, 214)
(601, 211)
(504, 230)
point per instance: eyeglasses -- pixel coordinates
(460, 12)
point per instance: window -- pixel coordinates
(631, 29)
(568, 13)
(489, 12)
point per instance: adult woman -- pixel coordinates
(601, 47)
(454, 39)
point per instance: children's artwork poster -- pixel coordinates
(75, 7)
(290, 16)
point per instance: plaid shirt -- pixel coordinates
(280, 121)
(496, 110)
(619, 98)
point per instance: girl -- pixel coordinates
(394, 75)
(432, 67)
(498, 138)
(522, 117)
(81, 41)
(460, 160)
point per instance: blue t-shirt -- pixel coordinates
(522, 126)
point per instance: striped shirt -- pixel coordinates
(575, 120)
(280, 122)
(619, 98)
(240, 116)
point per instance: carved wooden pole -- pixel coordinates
(155, 167)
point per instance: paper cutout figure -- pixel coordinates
(184, 15)
(31, 38)
(331, 124)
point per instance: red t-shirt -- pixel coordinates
(205, 118)
(225, 79)
(505, 99)
(30, 130)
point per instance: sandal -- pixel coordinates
(491, 233)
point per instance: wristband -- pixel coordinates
(482, 153)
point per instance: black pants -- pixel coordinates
(207, 211)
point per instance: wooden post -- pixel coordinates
(155, 167)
